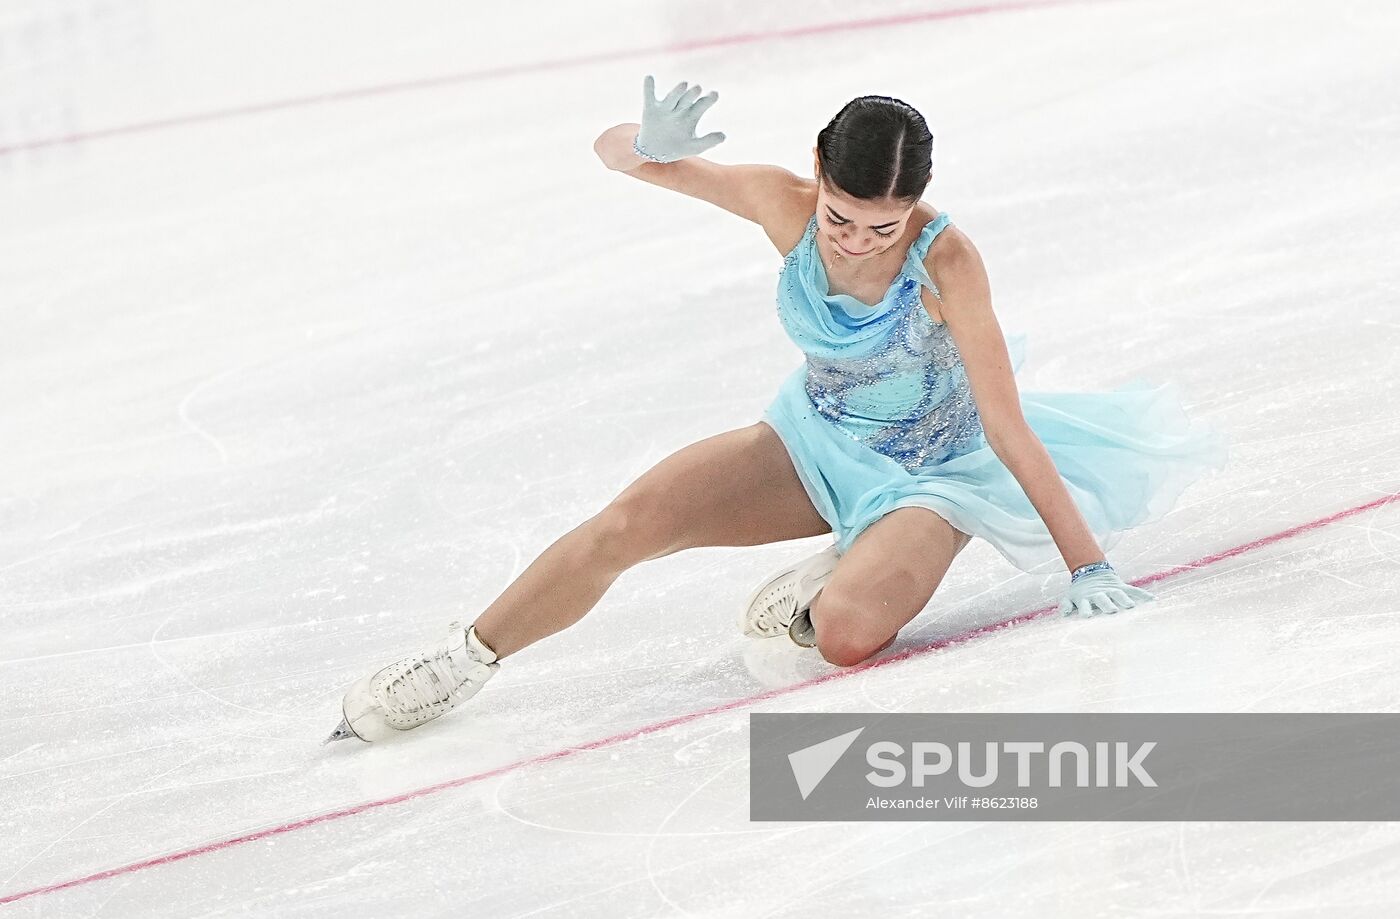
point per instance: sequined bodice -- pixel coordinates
(886, 375)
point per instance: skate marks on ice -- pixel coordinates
(903, 677)
(1289, 626)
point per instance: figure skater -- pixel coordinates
(902, 434)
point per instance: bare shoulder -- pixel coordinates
(955, 265)
(954, 262)
(789, 211)
(952, 254)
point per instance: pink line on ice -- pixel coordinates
(471, 76)
(745, 702)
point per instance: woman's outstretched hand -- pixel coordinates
(1101, 591)
(668, 125)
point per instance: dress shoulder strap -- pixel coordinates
(802, 243)
(918, 251)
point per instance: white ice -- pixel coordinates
(282, 393)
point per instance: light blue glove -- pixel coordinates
(668, 125)
(1097, 588)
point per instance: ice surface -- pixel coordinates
(282, 392)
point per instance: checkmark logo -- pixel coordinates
(811, 764)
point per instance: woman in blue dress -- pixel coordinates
(903, 433)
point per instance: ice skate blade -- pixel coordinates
(343, 731)
(802, 632)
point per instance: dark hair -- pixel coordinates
(877, 147)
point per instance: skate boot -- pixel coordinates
(773, 606)
(418, 688)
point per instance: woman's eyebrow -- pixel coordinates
(876, 227)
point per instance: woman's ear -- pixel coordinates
(816, 164)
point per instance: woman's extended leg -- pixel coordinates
(884, 580)
(733, 489)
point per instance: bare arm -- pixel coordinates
(967, 310)
(766, 195)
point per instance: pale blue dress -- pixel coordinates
(880, 417)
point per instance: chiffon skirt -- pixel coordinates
(1125, 456)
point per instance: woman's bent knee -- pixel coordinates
(843, 635)
(629, 531)
(844, 654)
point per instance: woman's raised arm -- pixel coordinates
(663, 150)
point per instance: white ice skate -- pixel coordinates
(418, 688)
(788, 592)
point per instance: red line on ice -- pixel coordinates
(745, 702)
(470, 76)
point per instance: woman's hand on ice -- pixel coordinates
(1102, 591)
(668, 125)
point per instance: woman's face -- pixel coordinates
(857, 229)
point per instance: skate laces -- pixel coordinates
(432, 680)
